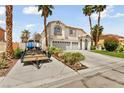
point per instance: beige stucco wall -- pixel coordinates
(2, 46)
(65, 34)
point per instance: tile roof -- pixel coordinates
(108, 35)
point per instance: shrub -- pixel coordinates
(111, 43)
(72, 58)
(93, 48)
(3, 61)
(17, 53)
(67, 57)
(55, 50)
(121, 49)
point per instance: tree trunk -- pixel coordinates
(99, 19)
(97, 37)
(91, 30)
(9, 47)
(45, 30)
(96, 42)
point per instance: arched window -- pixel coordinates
(57, 30)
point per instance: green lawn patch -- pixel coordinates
(114, 54)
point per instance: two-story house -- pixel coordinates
(66, 37)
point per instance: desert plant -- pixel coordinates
(9, 27)
(17, 53)
(51, 49)
(93, 48)
(73, 58)
(3, 61)
(67, 57)
(121, 49)
(45, 10)
(25, 35)
(88, 10)
(77, 57)
(97, 32)
(111, 43)
(54, 50)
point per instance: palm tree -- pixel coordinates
(9, 26)
(99, 9)
(46, 11)
(88, 10)
(97, 31)
(25, 36)
(37, 37)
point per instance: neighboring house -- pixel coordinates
(2, 40)
(2, 35)
(66, 37)
(120, 38)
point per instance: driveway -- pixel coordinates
(102, 71)
(30, 76)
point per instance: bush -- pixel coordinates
(3, 61)
(67, 57)
(72, 58)
(54, 50)
(121, 49)
(92, 48)
(111, 43)
(17, 53)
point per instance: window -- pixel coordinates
(71, 31)
(57, 30)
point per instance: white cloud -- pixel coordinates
(107, 13)
(2, 10)
(30, 26)
(117, 15)
(2, 22)
(31, 10)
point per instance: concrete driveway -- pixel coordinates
(103, 71)
(30, 76)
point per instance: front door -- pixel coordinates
(80, 44)
(86, 44)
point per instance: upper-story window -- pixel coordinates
(71, 32)
(57, 30)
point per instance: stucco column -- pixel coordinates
(70, 45)
(51, 42)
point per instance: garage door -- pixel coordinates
(61, 44)
(75, 45)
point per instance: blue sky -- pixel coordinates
(27, 17)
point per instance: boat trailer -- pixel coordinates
(34, 55)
